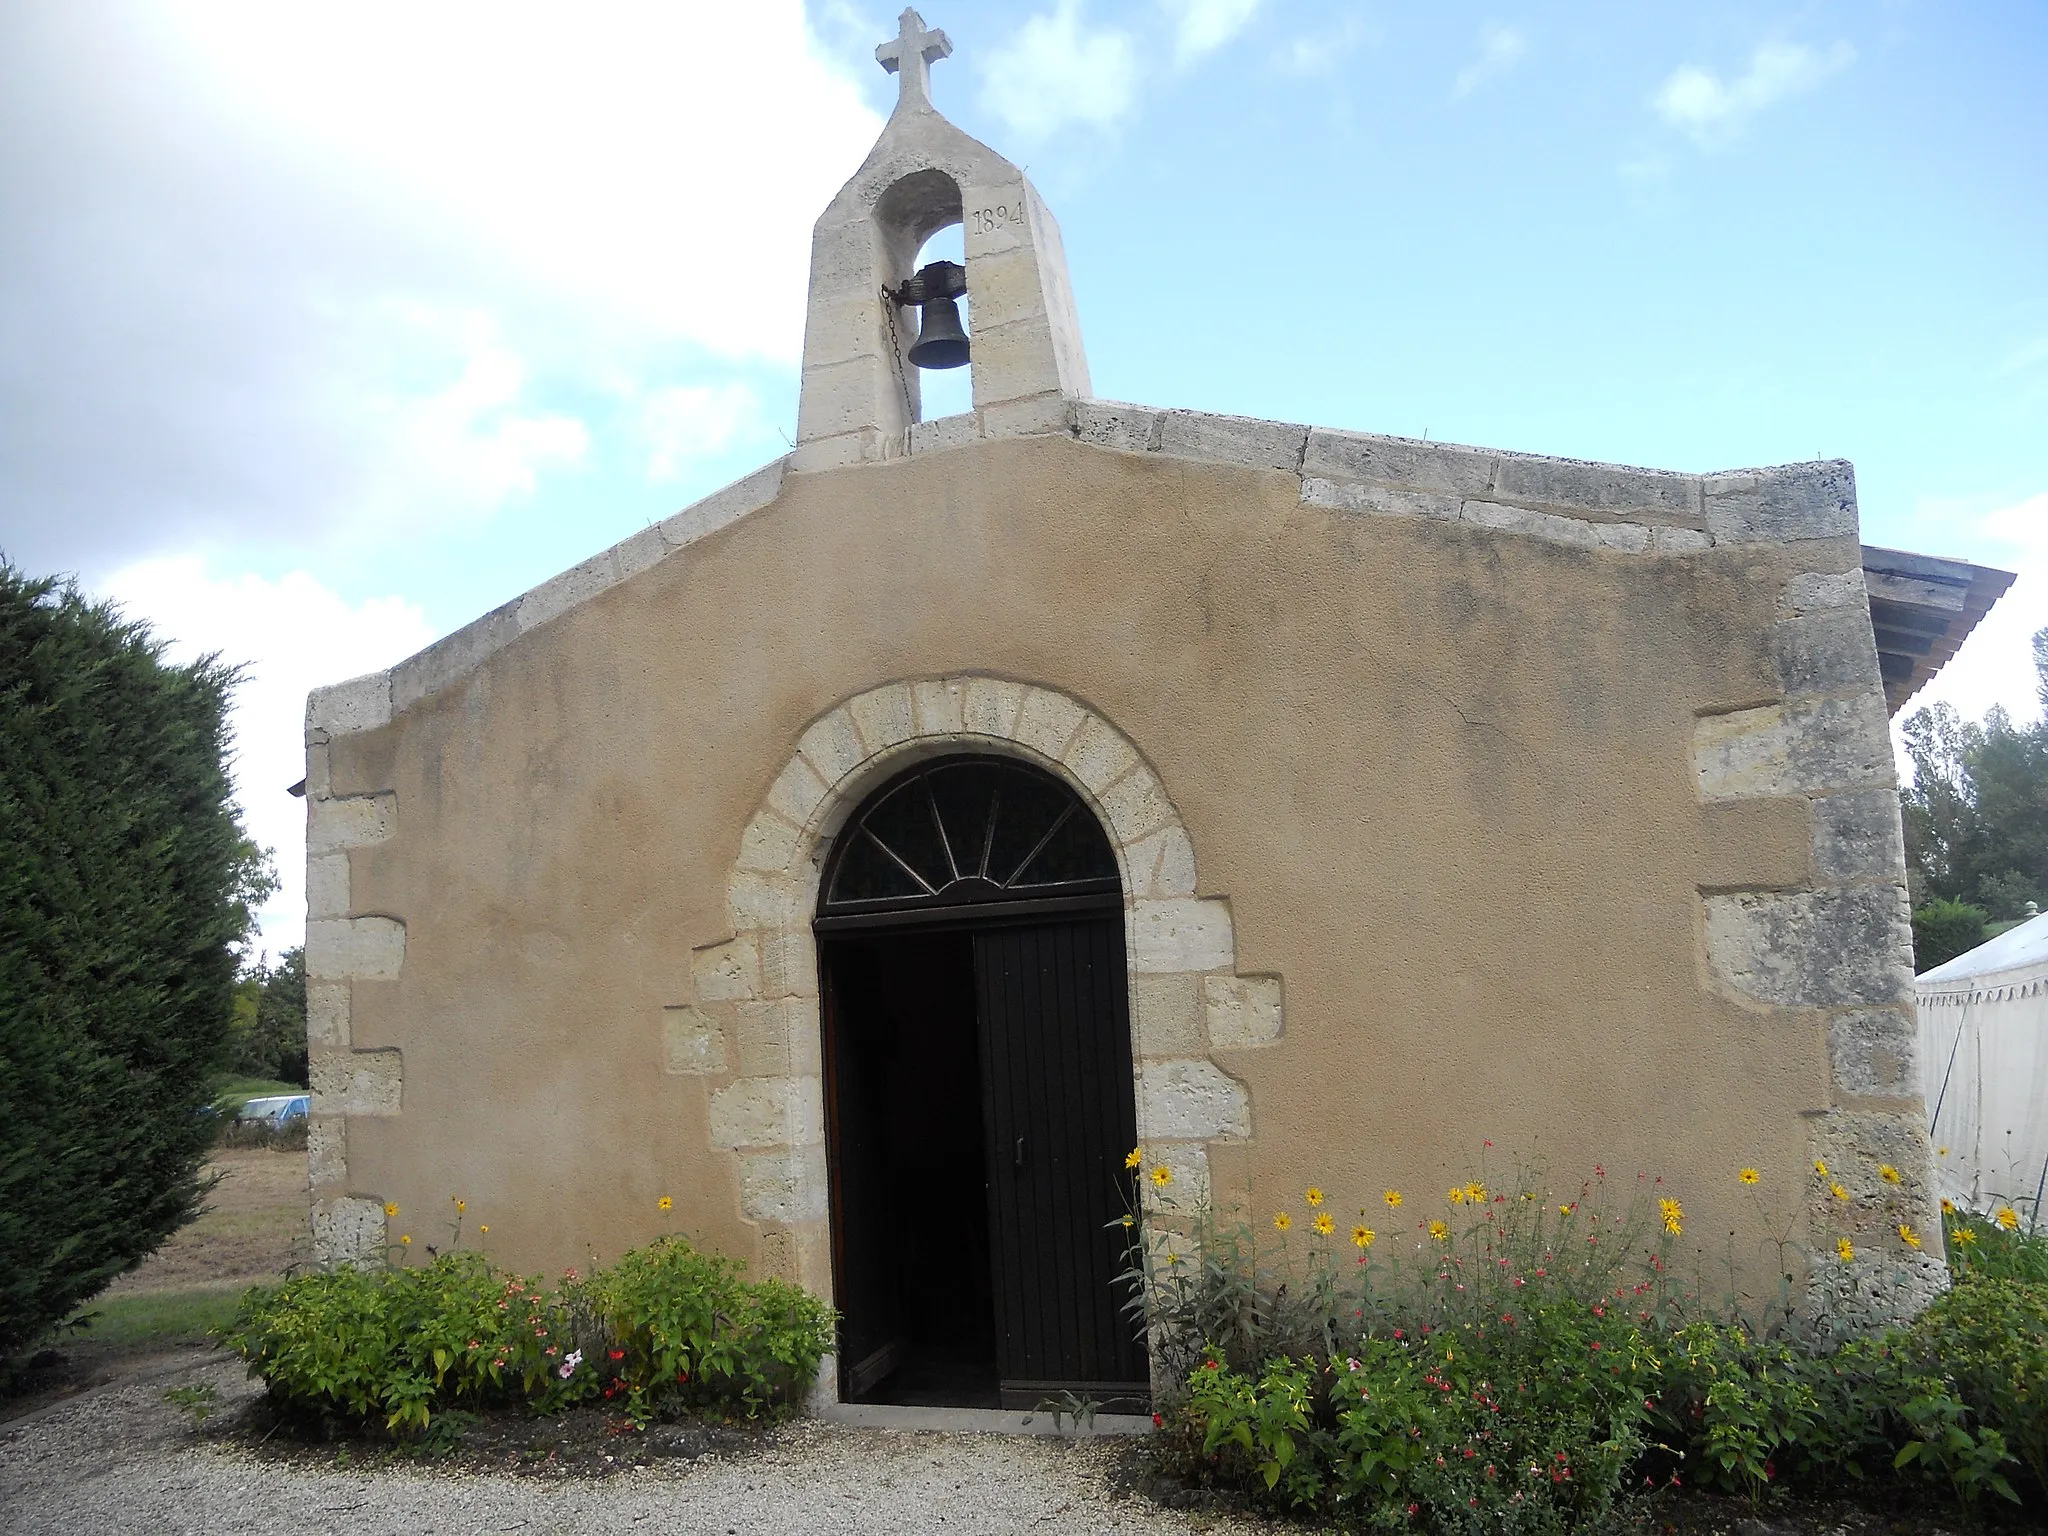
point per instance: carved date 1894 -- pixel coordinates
(986, 221)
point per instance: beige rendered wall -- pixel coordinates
(1566, 848)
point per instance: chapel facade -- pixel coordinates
(866, 858)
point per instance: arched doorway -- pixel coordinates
(978, 1092)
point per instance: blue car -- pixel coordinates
(276, 1112)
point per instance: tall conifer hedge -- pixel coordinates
(124, 882)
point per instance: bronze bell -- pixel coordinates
(941, 338)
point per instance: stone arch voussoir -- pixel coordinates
(753, 1015)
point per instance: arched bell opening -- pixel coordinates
(978, 1092)
(948, 390)
(919, 220)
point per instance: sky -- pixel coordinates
(323, 332)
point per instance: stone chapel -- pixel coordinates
(867, 857)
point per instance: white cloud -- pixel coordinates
(291, 635)
(693, 421)
(1996, 664)
(1319, 53)
(1499, 47)
(272, 272)
(1202, 26)
(460, 450)
(1052, 73)
(1712, 111)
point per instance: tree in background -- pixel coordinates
(1977, 811)
(268, 1038)
(125, 887)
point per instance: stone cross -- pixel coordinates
(909, 56)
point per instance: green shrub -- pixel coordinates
(1755, 1412)
(1532, 1424)
(124, 886)
(683, 1331)
(667, 1329)
(1523, 1365)
(1990, 1337)
(1495, 1375)
(1943, 929)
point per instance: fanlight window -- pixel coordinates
(965, 831)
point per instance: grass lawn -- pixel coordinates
(157, 1318)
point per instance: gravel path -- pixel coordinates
(120, 1459)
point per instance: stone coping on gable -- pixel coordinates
(1611, 507)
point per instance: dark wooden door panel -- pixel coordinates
(1054, 1024)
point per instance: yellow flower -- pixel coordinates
(1908, 1236)
(1820, 1167)
(460, 1205)
(1393, 1199)
(1172, 1257)
(1457, 1195)
(1888, 1173)
(1314, 1197)
(1162, 1175)
(1439, 1231)
(1749, 1175)
(1674, 1216)
(1476, 1193)
(1838, 1192)
(1675, 1227)
(390, 1207)
(1282, 1221)
(665, 1204)
(1363, 1236)
(485, 1230)
(1323, 1224)
(1941, 1151)
(1137, 1157)
(407, 1239)
(1845, 1250)
(1965, 1236)
(1129, 1220)
(2007, 1218)
(1566, 1210)
(1948, 1206)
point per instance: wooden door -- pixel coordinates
(1059, 1117)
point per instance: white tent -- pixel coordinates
(1984, 1061)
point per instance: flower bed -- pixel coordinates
(667, 1330)
(1521, 1363)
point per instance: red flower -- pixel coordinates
(618, 1354)
(1158, 1421)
